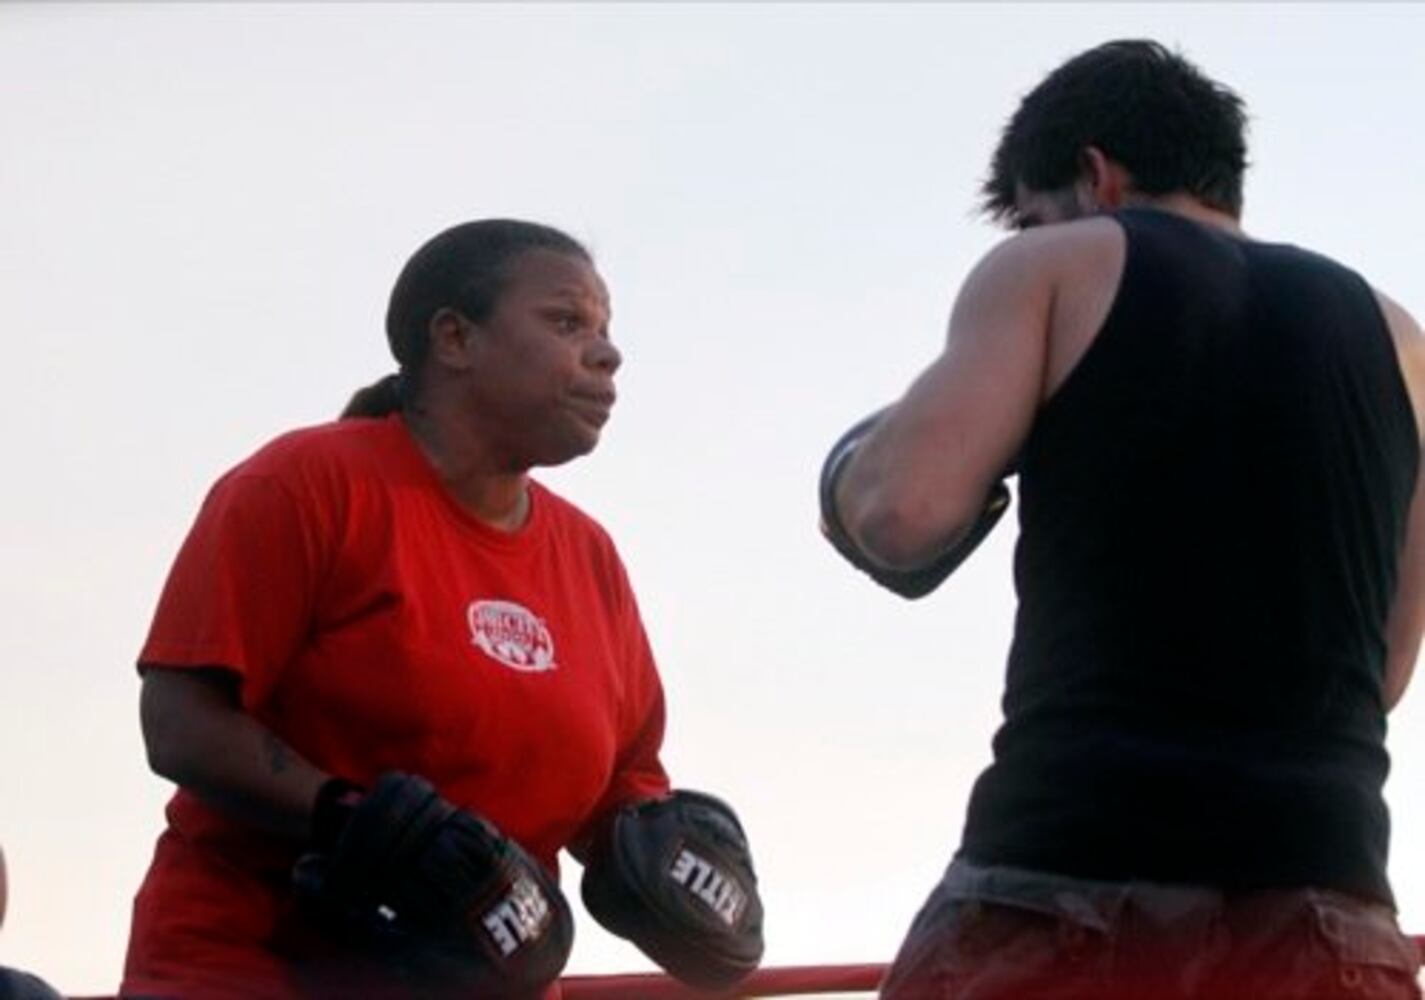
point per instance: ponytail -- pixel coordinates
(463, 268)
(379, 399)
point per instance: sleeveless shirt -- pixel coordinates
(1212, 507)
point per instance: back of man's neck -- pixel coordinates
(1189, 207)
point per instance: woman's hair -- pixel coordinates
(464, 268)
(1171, 126)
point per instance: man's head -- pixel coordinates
(1129, 116)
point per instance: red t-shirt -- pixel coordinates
(375, 625)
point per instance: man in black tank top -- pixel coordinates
(1220, 568)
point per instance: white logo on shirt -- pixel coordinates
(511, 634)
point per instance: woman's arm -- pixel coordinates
(198, 736)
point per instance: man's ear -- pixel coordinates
(1104, 183)
(451, 338)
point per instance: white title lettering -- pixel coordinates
(706, 883)
(518, 918)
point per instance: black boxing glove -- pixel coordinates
(908, 583)
(675, 877)
(16, 985)
(439, 893)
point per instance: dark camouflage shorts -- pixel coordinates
(997, 932)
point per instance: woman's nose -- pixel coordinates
(604, 356)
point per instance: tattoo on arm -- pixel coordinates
(279, 755)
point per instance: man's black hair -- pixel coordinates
(1147, 108)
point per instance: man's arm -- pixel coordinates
(1407, 611)
(919, 479)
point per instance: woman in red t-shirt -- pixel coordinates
(392, 592)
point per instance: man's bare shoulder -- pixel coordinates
(1060, 241)
(1401, 323)
(1409, 342)
(1046, 258)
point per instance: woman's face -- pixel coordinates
(541, 365)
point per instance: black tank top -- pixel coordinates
(1211, 508)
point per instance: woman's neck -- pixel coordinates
(469, 469)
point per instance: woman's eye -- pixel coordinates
(567, 322)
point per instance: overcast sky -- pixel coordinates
(204, 207)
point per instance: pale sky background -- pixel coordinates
(204, 207)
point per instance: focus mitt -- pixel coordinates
(440, 894)
(908, 583)
(674, 876)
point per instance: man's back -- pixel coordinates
(1221, 565)
(1212, 503)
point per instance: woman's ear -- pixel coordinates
(451, 338)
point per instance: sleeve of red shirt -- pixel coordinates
(241, 591)
(639, 773)
(638, 770)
